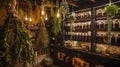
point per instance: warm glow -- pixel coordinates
(30, 19)
(26, 18)
(46, 18)
(43, 12)
(58, 14)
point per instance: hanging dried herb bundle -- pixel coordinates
(42, 39)
(64, 8)
(72, 20)
(110, 10)
(15, 44)
(56, 28)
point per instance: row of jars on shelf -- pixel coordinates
(82, 15)
(100, 12)
(102, 24)
(83, 36)
(115, 38)
(79, 26)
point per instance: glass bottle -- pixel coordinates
(89, 13)
(82, 36)
(88, 37)
(82, 15)
(85, 25)
(106, 24)
(85, 36)
(113, 39)
(102, 24)
(79, 36)
(117, 24)
(118, 39)
(89, 25)
(80, 26)
(76, 27)
(113, 24)
(99, 23)
(101, 37)
(97, 38)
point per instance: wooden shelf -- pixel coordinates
(92, 58)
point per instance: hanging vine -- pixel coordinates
(72, 20)
(111, 10)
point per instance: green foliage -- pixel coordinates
(72, 20)
(20, 12)
(64, 9)
(111, 10)
(15, 44)
(56, 28)
(42, 39)
(52, 10)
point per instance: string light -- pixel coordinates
(58, 14)
(26, 18)
(46, 18)
(30, 19)
(42, 12)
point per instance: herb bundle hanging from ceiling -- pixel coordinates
(42, 38)
(15, 44)
(111, 10)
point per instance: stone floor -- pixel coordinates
(44, 61)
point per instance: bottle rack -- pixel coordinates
(93, 30)
(102, 46)
(81, 27)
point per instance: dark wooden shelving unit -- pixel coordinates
(90, 56)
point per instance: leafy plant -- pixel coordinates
(110, 10)
(42, 39)
(56, 25)
(72, 20)
(64, 8)
(15, 44)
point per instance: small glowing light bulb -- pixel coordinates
(30, 19)
(26, 18)
(58, 15)
(46, 18)
(43, 12)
